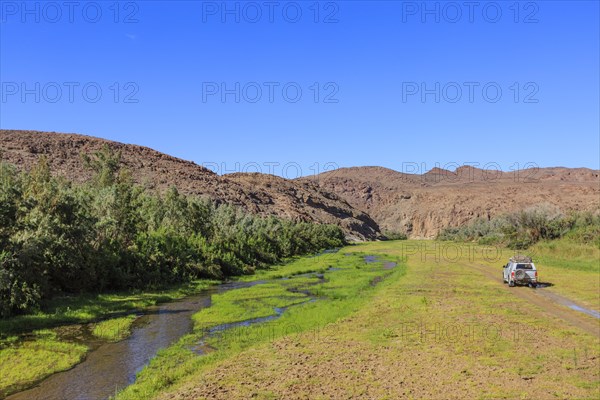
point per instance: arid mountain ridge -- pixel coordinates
(422, 205)
(364, 201)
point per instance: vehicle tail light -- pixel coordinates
(512, 274)
(536, 274)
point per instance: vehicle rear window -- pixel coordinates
(524, 266)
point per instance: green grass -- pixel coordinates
(114, 329)
(296, 266)
(349, 291)
(355, 324)
(344, 292)
(30, 350)
(568, 255)
(29, 361)
(570, 265)
(233, 306)
(89, 308)
(246, 304)
(573, 268)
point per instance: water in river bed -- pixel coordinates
(109, 367)
(112, 366)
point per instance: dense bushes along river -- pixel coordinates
(109, 234)
(523, 229)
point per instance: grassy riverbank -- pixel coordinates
(114, 329)
(349, 283)
(40, 355)
(337, 326)
(31, 347)
(89, 308)
(441, 326)
(109, 319)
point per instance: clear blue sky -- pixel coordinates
(371, 62)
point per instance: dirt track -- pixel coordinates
(548, 302)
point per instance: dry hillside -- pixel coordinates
(421, 205)
(265, 195)
(361, 199)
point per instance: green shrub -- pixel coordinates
(522, 229)
(393, 235)
(112, 234)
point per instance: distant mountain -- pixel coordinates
(259, 194)
(422, 205)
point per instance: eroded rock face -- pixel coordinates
(422, 205)
(257, 193)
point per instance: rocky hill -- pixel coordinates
(259, 194)
(362, 200)
(421, 205)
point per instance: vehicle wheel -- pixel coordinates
(511, 283)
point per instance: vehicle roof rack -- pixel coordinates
(521, 259)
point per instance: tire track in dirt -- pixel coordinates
(550, 303)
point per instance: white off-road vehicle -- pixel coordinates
(520, 270)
